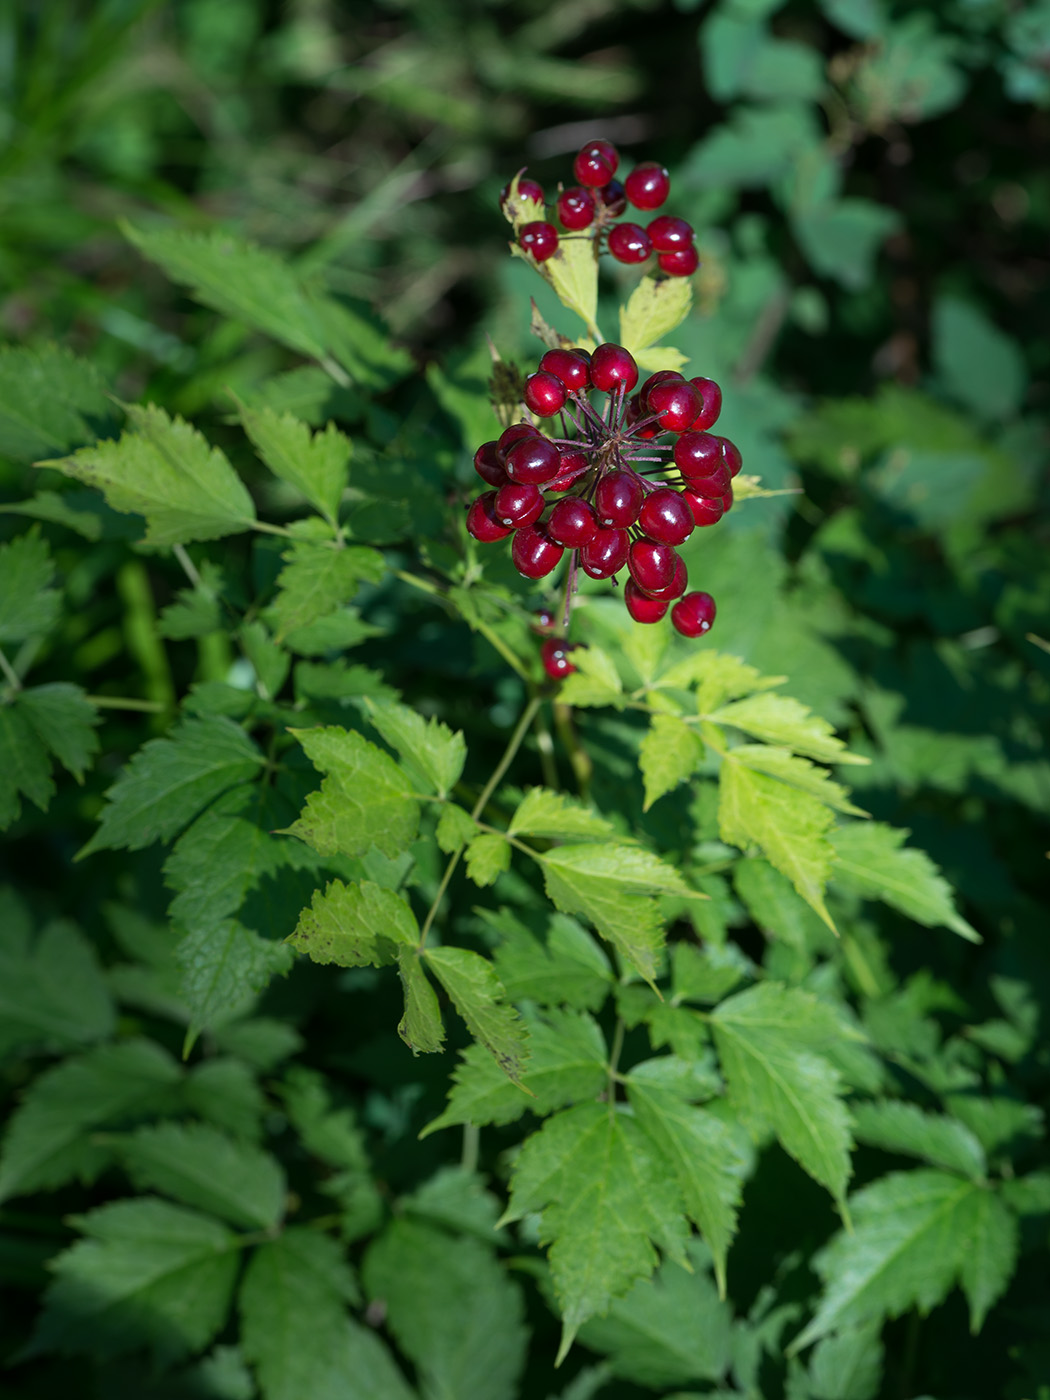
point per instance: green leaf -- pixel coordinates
(47, 1142)
(904, 1127)
(29, 603)
(569, 968)
(653, 310)
(149, 1274)
(355, 925)
(788, 826)
(542, 812)
(25, 767)
(567, 1064)
(64, 720)
(607, 1199)
(224, 966)
(218, 859)
(778, 719)
(226, 1092)
(49, 402)
(333, 1134)
(170, 780)
(52, 990)
(365, 800)
(709, 973)
(798, 772)
(596, 680)
(841, 238)
(455, 828)
(766, 1037)
(910, 75)
(429, 747)
(316, 464)
(201, 1166)
(55, 507)
(771, 901)
(316, 579)
(669, 753)
(420, 1027)
(454, 1311)
(980, 367)
(487, 857)
(755, 147)
(480, 998)
(915, 1235)
(293, 1306)
(870, 861)
(847, 1365)
(705, 1156)
(166, 471)
(573, 273)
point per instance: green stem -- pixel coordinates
(335, 371)
(468, 1159)
(614, 1060)
(125, 702)
(267, 529)
(12, 676)
(188, 566)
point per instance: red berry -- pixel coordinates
(727, 500)
(571, 466)
(641, 606)
(572, 522)
(698, 454)
(576, 207)
(693, 614)
(661, 376)
(675, 402)
(711, 396)
(517, 432)
(569, 366)
(713, 486)
(542, 621)
(664, 516)
(596, 163)
(605, 553)
(482, 521)
(534, 552)
(652, 564)
(527, 190)
(613, 198)
(554, 653)
(668, 234)
(545, 394)
(706, 510)
(611, 366)
(539, 239)
(635, 413)
(677, 586)
(731, 456)
(683, 262)
(488, 465)
(618, 498)
(518, 503)
(629, 243)
(533, 459)
(648, 185)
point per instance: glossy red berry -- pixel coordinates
(693, 614)
(711, 398)
(576, 207)
(668, 234)
(660, 377)
(554, 653)
(613, 197)
(571, 466)
(527, 190)
(706, 510)
(605, 553)
(664, 516)
(596, 163)
(675, 402)
(618, 498)
(482, 521)
(533, 459)
(569, 366)
(540, 239)
(683, 262)
(545, 394)
(648, 185)
(518, 503)
(698, 454)
(727, 501)
(517, 432)
(572, 523)
(543, 621)
(731, 456)
(677, 586)
(489, 465)
(714, 485)
(629, 243)
(652, 564)
(534, 552)
(611, 366)
(641, 606)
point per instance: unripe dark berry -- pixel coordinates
(596, 163)
(652, 564)
(648, 185)
(698, 454)
(605, 553)
(569, 366)
(693, 614)
(675, 402)
(664, 516)
(576, 207)
(545, 394)
(554, 654)
(669, 234)
(706, 510)
(533, 459)
(527, 190)
(539, 239)
(613, 197)
(488, 465)
(629, 243)
(517, 432)
(618, 498)
(518, 503)
(534, 552)
(711, 397)
(641, 606)
(683, 262)
(572, 523)
(572, 464)
(482, 521)
(611, 366)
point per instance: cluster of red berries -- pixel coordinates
(606, 510)
(597, 201)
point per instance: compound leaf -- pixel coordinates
(434, 751)
(317, 579)
(669, 753)
(64, 720)
(569, 969)
(779, 719)
(365, 800)
(869, 860)
(316, 464)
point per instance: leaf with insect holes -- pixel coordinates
(356, 925)
(481, 999)
(316, 464)
(653, 310)
(869, 859)
(365, 800)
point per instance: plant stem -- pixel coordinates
(12, 676)
(335, 371)
(468, 1158)
(188, 566)
(614, 1060)
(126, 702)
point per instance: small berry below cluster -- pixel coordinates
(612, 488)
(591, 207)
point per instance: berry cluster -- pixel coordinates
(597, 202)
(589, 490)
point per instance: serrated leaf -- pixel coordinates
(226, 1092)
(774, 905)
(847, 1365)
(869, 860)
(779, 719)
(170, 780)
(904, 1127)
(166, 471)
(788, 826)
(573, 273)
(316, 464)
(455, 1312)
(798, 772)
(542, 812)
(149, 1274)
(480, 998)
(364, 801)
(52, 990)
(202, 1167)
(455, 828)
(596, 680)
(49, 401)
(218, 859)
(709, 973)
(915, 1235)
(718, 677)
(765, 1038)
(669, 753)
(487, 857)
(706, 1159)
(224, 966)
(607, 1199)
(54, 507)
(317, 579)
(653, 310)
(29, 603)
(568, 968)
(420, 1027)
(47, 1141)
(357, 925)
(25, 767)
(436, 752)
